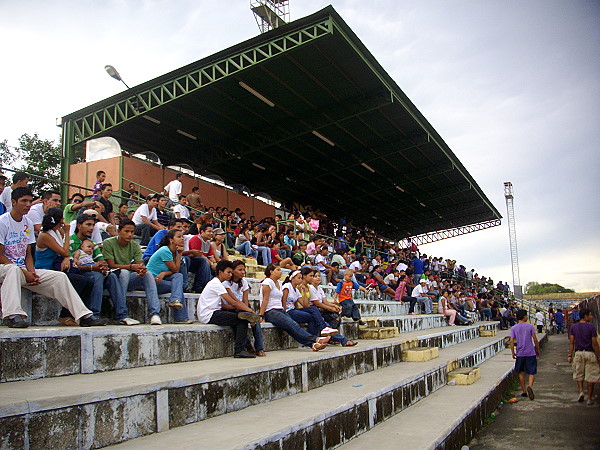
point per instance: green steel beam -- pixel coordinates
(139, 103)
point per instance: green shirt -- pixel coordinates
(68, 214)
(121, 254)
(76, 243)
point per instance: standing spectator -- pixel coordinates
(584, 354)
(194, 199)
(145, 221)
(17, 269)
(173, 189)
(575, 317)
(417, 264)
(100, 178)
(528, 349)
(539, 320)
(559, 321)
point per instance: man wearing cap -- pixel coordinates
(421, 293)
(99, 273)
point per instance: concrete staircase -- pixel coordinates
(177, 385)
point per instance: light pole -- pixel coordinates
(113, 73)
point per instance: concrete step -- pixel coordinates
(115, 406)
(378, 332)
(465, 409)
(327, 416)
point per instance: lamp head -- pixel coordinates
(113, 72)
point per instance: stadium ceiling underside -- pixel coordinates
(306, 114)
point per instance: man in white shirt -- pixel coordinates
(421, 293)
(180, 210)
(539, 320)
(173, 189)
(237, 315)
(145, 221)
(20, 179)
(50, 199)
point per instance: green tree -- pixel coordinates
(535, 288)
(41, 157)
(7, 157)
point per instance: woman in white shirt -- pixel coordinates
(236, 315)
(238, 288)
(272, 309)
(305, 313)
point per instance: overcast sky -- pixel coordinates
(511, 86)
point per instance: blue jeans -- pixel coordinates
(174, 284)
(282, 320)
(201, 267)
(349, 309)
(427, 303)
(258, 339)
(487, 313)
(311, 316)
(417, 278)
(265, 253)
(130, 282)
(111, 282)
(246, 249)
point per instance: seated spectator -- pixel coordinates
(260, 241)
(242, 242)
(323, 264)
(98, 272)
(164, 266)
(145, 221)
(218, 307)
(181, 211)
(391, 279)
(401, 294)
(300, 258)
(194, 199)
(122, 252)
(50, 199)
(383, 288)
(445, 309)
(76, 204)
(218, 247)
(284, 263)
(17, 269)
(107, 214)
(52, 253)
(339, 258)
(329, 310)
(420, 292)
(238, 288)
(271, 308)
(162, 215)
(289, 241)
(133, 195)
(343, 296)
(336, 274)
(121, 214)
(202, 259)
(309, 315)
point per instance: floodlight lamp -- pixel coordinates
(113, 72)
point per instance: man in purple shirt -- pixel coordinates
(584, 354)
(528, 349)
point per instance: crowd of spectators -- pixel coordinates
(157, 242)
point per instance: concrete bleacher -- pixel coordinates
(159, 386)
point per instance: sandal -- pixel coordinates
(350, 344)
(323, 340)
(318, 346)
(175, 304)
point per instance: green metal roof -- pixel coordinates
(386, 160)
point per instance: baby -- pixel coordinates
(84, 256)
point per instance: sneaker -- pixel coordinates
(244, 354)
(327, 331)
(581, 397)
(250, 317)
(184, 322)
(360, 322)
(17, 322)
(92, 322)
(530, 393)
(129, 321)
(175, 304)
(155, 320)
(590, 402)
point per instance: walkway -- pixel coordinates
(553, 420)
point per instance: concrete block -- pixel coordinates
(420, 354)
(370, 322)
(250, 262)
(487, 333)
(465, 376)
(378, 333)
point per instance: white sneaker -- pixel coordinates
(129, 321)
(327, 331)
(581, 397)
(155, 320)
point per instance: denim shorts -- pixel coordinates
(527, 364)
